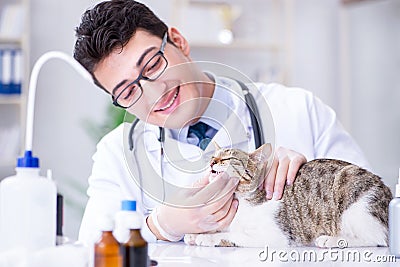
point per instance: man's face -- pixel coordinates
(178, 97)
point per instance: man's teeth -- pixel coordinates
(170, 102)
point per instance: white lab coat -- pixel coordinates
(301, 121)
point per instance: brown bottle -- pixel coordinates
(107, 248)
(134, 251)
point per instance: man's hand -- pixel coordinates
(283, 171)
(171, 223)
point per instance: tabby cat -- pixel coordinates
(330, 201)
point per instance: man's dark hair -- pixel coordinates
(109, 26)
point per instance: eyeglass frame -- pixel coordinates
(142, 77)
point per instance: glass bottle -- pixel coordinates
(134, 251)
(107, 248)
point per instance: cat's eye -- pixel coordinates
(248, 173)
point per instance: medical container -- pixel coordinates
(122, 218)
(106, 249)
(27, 208)
(394, 222)
(135, 250)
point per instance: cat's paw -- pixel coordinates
(326, 241)
(206, 240)
(190, 239)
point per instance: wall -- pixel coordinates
(349, 57)
(374, 82)
(64, 103)
(315, 48)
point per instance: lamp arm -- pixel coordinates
(33, 82)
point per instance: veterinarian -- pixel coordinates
(146, 68)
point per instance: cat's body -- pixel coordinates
(331, 201)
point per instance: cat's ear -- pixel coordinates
(217, 147)
(262, 153)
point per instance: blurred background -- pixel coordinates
(346, 52)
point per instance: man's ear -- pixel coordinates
(179, 41)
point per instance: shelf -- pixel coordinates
(13, 106)
(10, 99)
(10, 41)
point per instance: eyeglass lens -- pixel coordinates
(151, 71)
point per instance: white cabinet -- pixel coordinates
(14, 39)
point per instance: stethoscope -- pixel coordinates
(255, 123)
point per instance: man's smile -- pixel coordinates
(168, 102)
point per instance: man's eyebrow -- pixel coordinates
(138, 63)
(148, 50)
(117, 86)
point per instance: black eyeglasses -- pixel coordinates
(152, 70)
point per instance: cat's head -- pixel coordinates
(250, 168)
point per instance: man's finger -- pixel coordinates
(270, 179)
(281, 176)
(294, 166)
(213, 189)
(223, 211)
(202, 181)
(222, 198)
(226, 221)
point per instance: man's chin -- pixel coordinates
(177, 122)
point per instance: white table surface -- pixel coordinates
(179, 254)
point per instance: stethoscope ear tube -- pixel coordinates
(131, 130)
(258, 134)
(130, 140)
(254, 115)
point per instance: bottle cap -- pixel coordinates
(106, 223)
(129, 205)
(133, 221)
(28, 161)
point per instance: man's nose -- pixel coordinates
(154, 91)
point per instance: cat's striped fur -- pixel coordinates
(330, 200)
